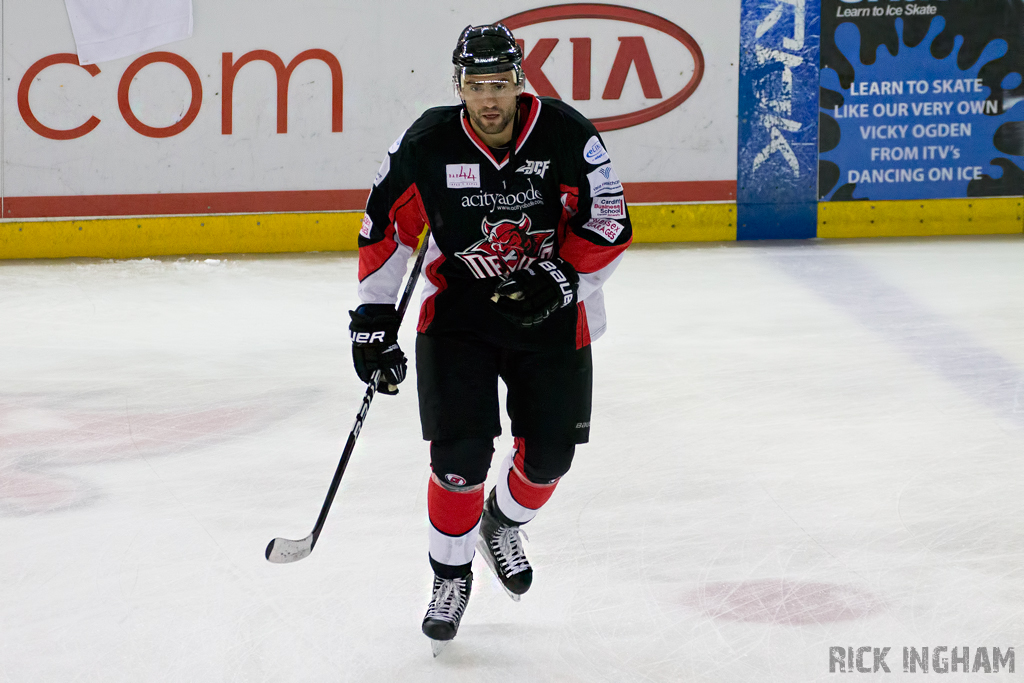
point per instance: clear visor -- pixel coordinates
(489, 86)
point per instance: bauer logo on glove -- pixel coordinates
(568, 291)
(368, 337)
(527, 297)
(374, 330)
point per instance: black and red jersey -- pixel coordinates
(551, 193)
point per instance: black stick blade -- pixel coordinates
(283, 550)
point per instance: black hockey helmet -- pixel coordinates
(487, 49)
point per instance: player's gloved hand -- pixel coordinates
(530, 295)
(374, 331)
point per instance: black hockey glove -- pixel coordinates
(530, 295)
(374, 331)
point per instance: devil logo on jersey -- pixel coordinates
(507, 246)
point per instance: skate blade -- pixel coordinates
(482, 548)
(438, 646)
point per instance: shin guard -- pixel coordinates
(518, 498)
(454, 521)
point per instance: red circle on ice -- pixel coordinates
(782, 601)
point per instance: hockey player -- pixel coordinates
(526, 221)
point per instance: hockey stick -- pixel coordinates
(283, 550)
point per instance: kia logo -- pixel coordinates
(632, 53)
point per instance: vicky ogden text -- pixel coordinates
(963, 103)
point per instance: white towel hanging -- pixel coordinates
(110, 29)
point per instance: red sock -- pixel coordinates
(454, 521)
(518, 497)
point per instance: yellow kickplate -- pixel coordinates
(289, 232)
(160, 236)
(683, 222)
(976, 216)
(304, 232)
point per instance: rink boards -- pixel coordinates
(337, 231)
(262, 132)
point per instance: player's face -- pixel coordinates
(491, 104)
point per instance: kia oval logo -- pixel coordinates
(632, 54)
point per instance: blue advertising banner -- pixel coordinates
(778, 111)
(920, 99)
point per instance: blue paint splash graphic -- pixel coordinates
(932, 155)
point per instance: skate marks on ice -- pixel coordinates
(42, 435)
(927, 337)
(783, 601)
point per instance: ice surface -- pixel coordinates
(795, 446)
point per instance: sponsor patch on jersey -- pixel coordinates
(397, 143)
(608, 229)
(608, 207)
(498, 201)
(604, 181)
(534, 168)
(367, 227)
(594, 152)
(463, 175)
(455, 479)
(382, 172)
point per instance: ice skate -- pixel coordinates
(445, 611)
(501, 544)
